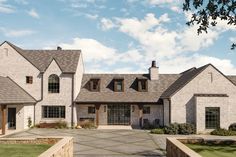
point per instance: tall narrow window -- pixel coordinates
(53, 84)
(142, 85)
(212, 117)
(118, 85)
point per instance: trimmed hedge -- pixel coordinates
(175, 128)
(223, 132)
(157, 131)
(182, 129)
(232, 127)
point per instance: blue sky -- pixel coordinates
(118, 36)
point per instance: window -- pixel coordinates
(91, 110)
(29, 79)
(142, 85)
(53, 84)
(95, 85)
(53, 112)
(146, 110)
(212, 117)
(119, 85)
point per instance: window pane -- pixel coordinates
(212, 117)
(146, 110)
(53, 84)
(119, 85)
(53, 112)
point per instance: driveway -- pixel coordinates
(88, 143)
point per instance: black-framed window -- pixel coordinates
(95, 85)
(146, 109)
(53, 84)
(118, 85)
(53, 111)
(29, 79)
(212, 117)
(91, 110)
(142, 85)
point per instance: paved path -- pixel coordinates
(117, 143)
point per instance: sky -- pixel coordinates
(118, 36)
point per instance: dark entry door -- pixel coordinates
(118, 114)
(11, 118)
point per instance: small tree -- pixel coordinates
(29, 122)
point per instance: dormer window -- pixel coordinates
(94, 85)
(118, 85)
(142, 85)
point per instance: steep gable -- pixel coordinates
(66, 59)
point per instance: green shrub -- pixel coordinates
(223, 132)
(186, 129)
(172, 129)
(88, 125)
(61, 125)
(157, 131)
(182, 129)
(232, 127)
(29, 122)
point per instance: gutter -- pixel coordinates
(41, 95)
(72, 101)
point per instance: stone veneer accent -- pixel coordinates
(63, 146)
(175, 148)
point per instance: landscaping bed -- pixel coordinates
(24, 150)
(209, 150)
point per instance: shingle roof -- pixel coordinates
(130, 94)
(186, 77)
(67, 60)
(232, 78)
(11, 93)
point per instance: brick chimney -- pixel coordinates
(59, 48)
(154, 71)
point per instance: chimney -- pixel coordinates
(154, 71)
(59, 48)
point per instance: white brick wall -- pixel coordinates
(182, 103)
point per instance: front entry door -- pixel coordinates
(118, 114)
(11, 118)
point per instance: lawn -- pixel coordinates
(214, 150)
(22, 150)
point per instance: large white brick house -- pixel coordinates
(50, 85)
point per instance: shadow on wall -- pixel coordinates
(190, 111)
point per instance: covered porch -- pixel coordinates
(16, 106)
(120, 114)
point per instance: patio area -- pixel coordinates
(103, 142)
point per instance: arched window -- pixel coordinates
(53, 84)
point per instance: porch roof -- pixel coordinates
(11, 93)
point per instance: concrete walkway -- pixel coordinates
(117, 143)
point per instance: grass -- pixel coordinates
(22, 150)
(214, 150)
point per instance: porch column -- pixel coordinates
(97, 106)
(140, 107)
(3, 109)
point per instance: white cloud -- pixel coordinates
(24, 2)
(6, 8)
(16, 33)
(93, 51)
(33, 13)
(92, 17)
(106, 24)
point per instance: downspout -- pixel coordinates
(72, 101)
(169, 111)
(41, 96)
